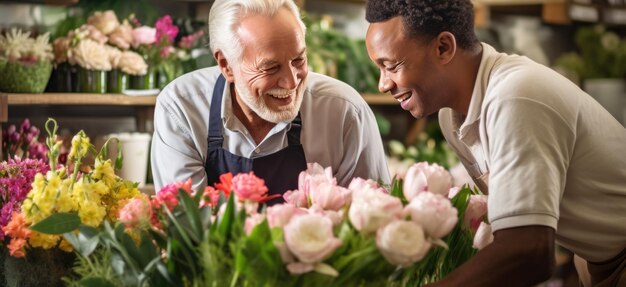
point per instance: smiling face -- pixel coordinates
(270, 78)
(409, 69)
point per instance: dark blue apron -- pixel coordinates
(280, 170)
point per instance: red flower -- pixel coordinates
(225, 184)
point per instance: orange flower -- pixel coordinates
(16, 247)
(16, 228)
(226, 183)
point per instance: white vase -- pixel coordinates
(611, 94)
(135, 150)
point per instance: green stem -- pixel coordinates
(235, 277)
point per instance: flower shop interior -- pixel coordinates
(578, 38)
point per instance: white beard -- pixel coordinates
(257, 104)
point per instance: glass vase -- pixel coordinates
(117, 81)
(92, 81)
(144, 82)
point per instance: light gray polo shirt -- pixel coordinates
(338, 130)
(554, 156)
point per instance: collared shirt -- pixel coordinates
(338, 130)
(554, 156)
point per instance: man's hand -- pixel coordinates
(521, 256)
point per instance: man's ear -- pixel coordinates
(225, 68)
(446, 47)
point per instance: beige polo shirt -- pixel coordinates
(553, 155)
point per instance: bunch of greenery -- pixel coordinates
(602, 54)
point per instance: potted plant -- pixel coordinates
(25, 62)
(600, 66)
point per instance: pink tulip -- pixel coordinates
(252, 221)
(310, 238)
(136, 213)
(313, 176)
(433, 212)
(297, 198)
(402, 242)
(372, 209)
(483, 236)
(424, 177)
(329, 196)
(359, 184)
(278, 215)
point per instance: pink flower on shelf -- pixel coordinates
(248, 186)
(425, 177)
(165, 28)
(189, 41)
(144, 35)
(136, 213)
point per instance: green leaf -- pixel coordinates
(95, 282)
(57, 224)
(226, 223)
(192, 212)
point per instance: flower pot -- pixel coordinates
(117, 81)
(20, 77)
(144, 82)
(39, 268)
(92, 81)
(611, 94)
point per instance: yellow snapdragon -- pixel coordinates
(44, 241)
(104, 171)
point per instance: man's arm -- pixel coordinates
(520, 256)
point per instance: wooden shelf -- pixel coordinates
(80, 99)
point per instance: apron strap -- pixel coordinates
(215, 138)
(293, 136)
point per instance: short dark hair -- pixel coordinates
(427, 18)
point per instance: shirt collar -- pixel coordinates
(480, 87)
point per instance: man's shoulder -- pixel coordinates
(325, 89)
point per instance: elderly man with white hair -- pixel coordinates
(260, 109)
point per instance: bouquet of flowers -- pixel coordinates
(25, 62)
(323, 235)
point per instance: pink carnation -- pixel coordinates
(248, 186)
(136, 213)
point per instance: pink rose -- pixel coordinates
(424, 177)
(335, 216)
(402, 242)
(248, 186)
(144, 35)
(278, 215)
(483, 236)
(310, 238)
(372, 209)
(476, 211)
(433, 212)
(329, 196)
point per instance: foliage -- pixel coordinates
(602, 54)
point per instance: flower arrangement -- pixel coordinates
(23, 142)
(323, 234)
(25, 62)
(64, 192)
